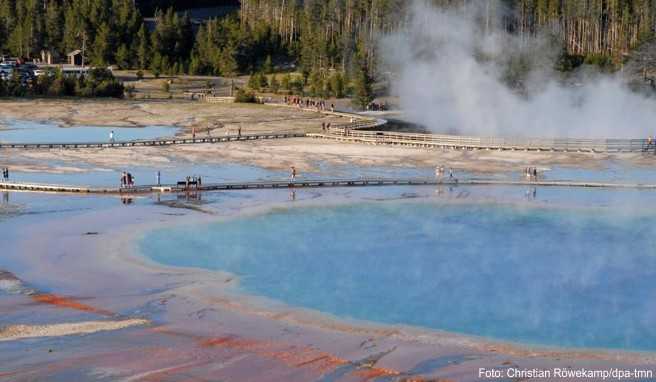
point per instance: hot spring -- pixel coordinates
(555, 276)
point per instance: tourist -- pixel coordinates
(130, 180)
(239, 132)
(323, 126)
(535, 173)
(193, 133)
(199, 182)
(111, 136)
(450, 173)
(123, 179)
(159, 178)
(293, 174)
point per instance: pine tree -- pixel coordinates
(103, 46)
(315, 82)
(54, 27)
(143, 48)
(254, 82)
(337, 85)
(363, 92)
(268, 65)
(228, 66)
(123, 57)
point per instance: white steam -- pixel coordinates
(449, 78)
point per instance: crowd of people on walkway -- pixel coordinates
(440, 174)
(127, 180)
(307, 103)
(193, 180)
(375, 106)
(531, 173)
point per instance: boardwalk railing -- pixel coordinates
(354, 132)
(312, 183)
(151, 142)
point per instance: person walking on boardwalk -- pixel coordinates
(239, 132)
(292, 175)
(159, 178)
(193, 133)
(111, 136)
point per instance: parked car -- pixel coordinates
(6, 71)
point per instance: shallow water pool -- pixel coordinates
(550, 276)
(16, 131)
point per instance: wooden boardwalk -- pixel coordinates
(436, 141)
(154, 142)
(311, 183)
(363, 129)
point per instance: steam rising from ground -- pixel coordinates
(450, 67)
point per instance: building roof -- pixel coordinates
(75, 53)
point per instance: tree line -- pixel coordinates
(320, 37)
(97, 83)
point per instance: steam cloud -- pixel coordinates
(449, 78)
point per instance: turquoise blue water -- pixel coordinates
(169, 174)
(610, 172)
(35, 132)
(563, 277)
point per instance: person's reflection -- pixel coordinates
(5, 198)
(126, 200)
(531, 193)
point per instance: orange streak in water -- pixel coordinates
(65, 302)
(294, 357)
(369, 374)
